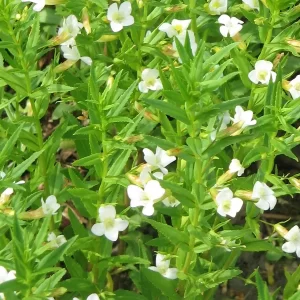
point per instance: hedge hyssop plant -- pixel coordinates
(140, 145)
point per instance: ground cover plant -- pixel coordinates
(149, 149)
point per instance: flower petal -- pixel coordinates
(224, 19)
(171, 273)
(98, 229)
(129, 20)
(107, 212)
(149, 157)
(121, 224)
(153, 190)
(289, 247)
(148, 210)
(253, 76)
(92, 297)
(111, 233)
(116, 26)
(143, 87)
(135, 194)
(125, 8)
(112, 9)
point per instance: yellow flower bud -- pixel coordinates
(295, 182)
(294, 43)
(280, 229)
(107, 38)
(65, 66)
(245, 195)
(86, 20)
(224, 178)
(32, 215)
(174, 151)
(176, 8)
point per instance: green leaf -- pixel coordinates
(88, 160)
(59, 88)
(54, 256)
(169, 109)
(128, 295)
(78, 285)
(14, 81)
(119, 162)
(262, 288)
(50, 283)
(292, 283)
(172, 234)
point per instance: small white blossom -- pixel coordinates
(294, 88)
(252, 3)
(50, 206)
(262, 72)
(218, 6)
(6, 276)
(244, 116)
(293, 241)
(72, 28)
(72, 53)
(170, 201)
(39, 4)
(231, 26)
(109, 225)
(163, 267)
(159, 160)
(175, 28)
(236, 167)
(150, 81)
(56, 241)
(120, 17)
(145, 175)
(146, 197)
(9, 191)
(227, 205)
(264, 195)
(181, 38)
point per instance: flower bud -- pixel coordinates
(18, 17)
(32, 215)
(245, 195)
(107, 38)
(277, 59)
(295, 182)
(224, 178)
(294, 43)
(147, 114)
(280, 229)
(213, 192)
(174, 151)
(237, 38)
(175, 8)
(286, 85)
(140, 3)
(134, 179)
(55, 2)
(233, 130)
(64, 66)
(4, 199)
(110, 81)
(59, 292)
(260, 21)
(133, 139)
(59, 39)
(86, 20)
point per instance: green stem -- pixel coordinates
(192, 5)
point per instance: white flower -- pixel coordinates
(150, 81)
(262, 72)
(244, 116)
(109, 225)
(294, 88)
(227, 205)
(145, 175)
(9, 191)
(293, 241)
(159, 160)
(39, 4)
(230, 26)
(264, 195)
(162, 267)
(218, 6)
(72, 28)
(175, 28)
(6, 276)
(72, 53)
(170, 201)
(120, 17)
(235, 166)
(181, 38)
(93, 297)
(56, 241)
(252, 3)
(50, 206)
(146, 197)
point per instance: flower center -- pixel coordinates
(226, 205)
(217, 4)
(162, 269)
(150, 81)
(117, 17)
(109, 223)
(262, 75)
(178, 28)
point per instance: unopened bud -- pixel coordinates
(169, 50)
(213, 192)
(233, 130)
(18, 17)
(224, 178)
(64, 66)
(294, 43)
(242, 45)
(174, 151)
(59, 39)
(59, 292)
(133, 139)
(245, 195)
(216, 49)
(277, 59)
(176, 8)
(280, 229)
(86, 20)
(134, 179)
(140, 3)
(55, 2)
(4, 198)
(109, 82)
(32, 214)
(107, 38)
(295, 182)
(147, 114)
